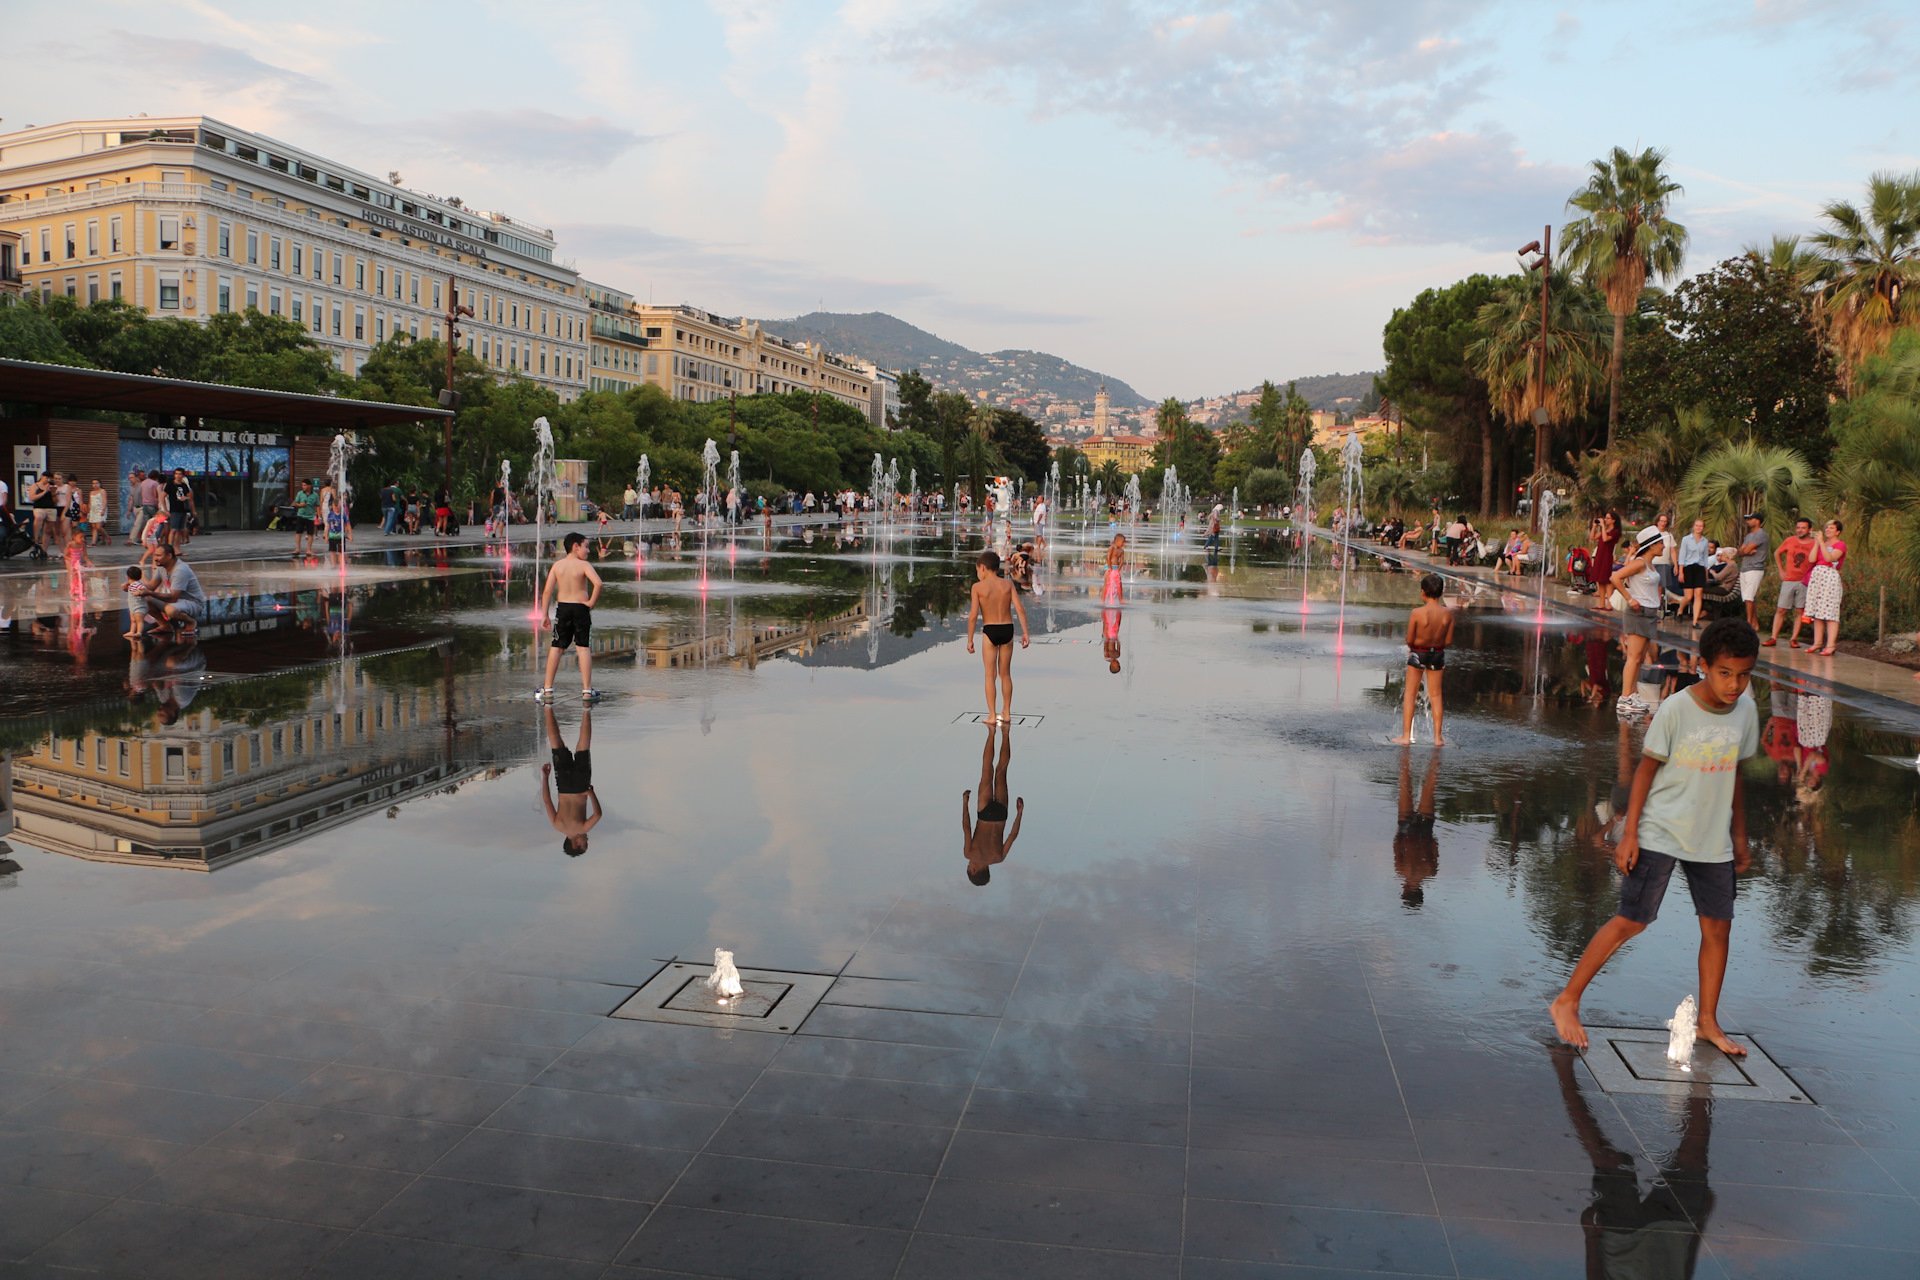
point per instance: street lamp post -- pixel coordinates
(1541, 419)
(449, 398)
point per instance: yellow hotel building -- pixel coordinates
(1133, 453)
(696, 355)
(187, 216)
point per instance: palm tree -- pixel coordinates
(1624, 239)
(1652, 461)
(1503, 356)
(1742, 475)
(1112, 479)
(1874, 256)
(1876, 463)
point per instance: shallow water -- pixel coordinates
(1215, 933)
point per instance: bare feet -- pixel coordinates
(1710, 1032)
(1566, 1020)
(1439, 742)
(1404, 741)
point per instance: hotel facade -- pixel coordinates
(188, 216)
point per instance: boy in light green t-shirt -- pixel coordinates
(1687, 809)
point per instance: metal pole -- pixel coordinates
(1546, 285)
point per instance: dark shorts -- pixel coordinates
(176, 520)
(1693, 576)
(999, 634)
(1710, 883)
(572, 623)
(572, 773)
(1427, 659)
(1638, 623)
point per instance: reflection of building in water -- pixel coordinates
(208, 791)
(745, 643)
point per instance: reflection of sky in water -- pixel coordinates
(1233, 775)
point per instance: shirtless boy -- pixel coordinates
(572, 775)
(1429, 632)
(995, 602)
(577, 587)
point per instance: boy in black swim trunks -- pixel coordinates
(575, 585)
(572, 775)
(1429, 632)
(996, 603)
(988, 838)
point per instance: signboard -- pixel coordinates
(422, 231)
(197, 435)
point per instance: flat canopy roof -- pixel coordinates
(55, 385)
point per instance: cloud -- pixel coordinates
(727, 278)
(526, 137)
(1354, 109)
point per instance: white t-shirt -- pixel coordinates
(1689, 810)
(3, 493)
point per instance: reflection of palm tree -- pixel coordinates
(1659, 1232)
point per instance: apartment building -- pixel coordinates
(699, 356)
(188, 216)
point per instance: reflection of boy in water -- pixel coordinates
(988, 840)
(1110, 638)
(572, 775)
(1655, 1236)
(1416, 854)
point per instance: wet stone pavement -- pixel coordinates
(297, 978)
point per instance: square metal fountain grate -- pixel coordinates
(980, 717)
(774, 1001)
(1634, 1060)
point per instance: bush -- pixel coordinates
(1866, 573)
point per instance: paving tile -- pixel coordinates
(446, 1099)
(1072, 1046)
(1494, 1143)
(163, 1115)
(938, 1257)
(345, 1137)
(715, 1084)
(160, 1242)
(873, 1059)
(1087, 1075)
(1903, 1166)
(665, 1042)
(532, 991)
(446, 1056)
(1751, 1258)
(274, 1186)
(572, 1165)
(1487, 1250)
(1375, 1093)
(469, 1020)
(1331, 1182)
(1133, 1223)
(888, 1101)
(1389, 1129)
(1816, 1217)
(741, 1247)
(227, 1072)
(1539, 1195)
(1066, 1162)
(641, 1122)
(832, 1140)
(939, 1029)
(31, 1216)
(855, 1197)
(1004, 1111)
(1223, 1269)
(66, 1160)
(1130, 998)
(1819, 1166)
(1340, 1238)
(370, 1257)
(516, 1219)
(265, 1033)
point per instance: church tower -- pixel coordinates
(1100, 405)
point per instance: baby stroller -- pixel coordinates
(16, 538)
(1579, 571)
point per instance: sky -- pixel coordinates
(1190, 197)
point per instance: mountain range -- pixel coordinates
(1017, 378)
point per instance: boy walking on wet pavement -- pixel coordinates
(995, 602)
(1429, 632)
(572, 776)
(575, 585)
(1687, 809)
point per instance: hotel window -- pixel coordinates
(297, 313)
(223, 240)
(253, 296)
(273, 253)
(56, 749)
(253, 750)
(169, 231)
(359, 325)
(316, 313)
(414, 281)
(543, 362)
(515, 312)
(299, 738)
(273, 302)
(169, 295)
(293, 265)
(226, 757)
(360, 275)
(125, 762)
(113, 235)
(253, 247)
(380, 281)
(69, 233)
(379, 327)
(223, 296)
(176, 763)
(93, 290)
(413, 328)
(339, 268)
(93, 238)
(337, 319)
(316, 262)
(436, 295)
(100, 754)
(279, 741)
(113, 285)
(46, 244)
